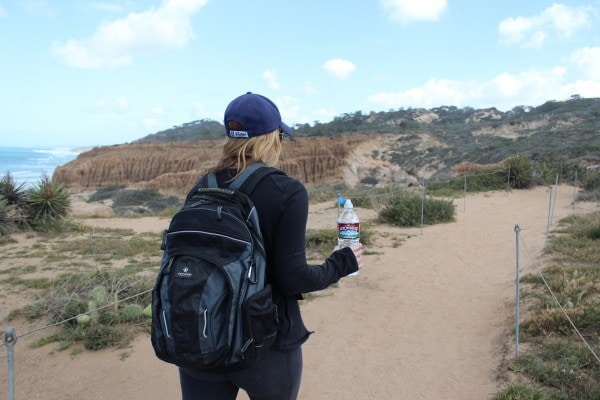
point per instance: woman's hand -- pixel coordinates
(357, 249)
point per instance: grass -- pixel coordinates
(557, 363)
(75, 261)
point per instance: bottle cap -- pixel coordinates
(348, 204)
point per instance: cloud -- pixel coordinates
(39, 7)
(308, 88)
(288, 106)
(339, 68)
(271, 79)
(503, 91)
(112, 104)
(106, 7)
(116, 43)
(587, 60)
(2, 11)
(405, 11)
(534, 31)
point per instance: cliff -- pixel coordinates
(172, 167)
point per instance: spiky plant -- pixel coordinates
(13, 193)
(5, 219)
(48, 203)
(521, 172)
(16, 200)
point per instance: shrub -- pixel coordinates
(131, 312)
(134, 197)
(369, 180)
(521, 172)
(13, 213)
(5, 220)
(404, 209)
(89, 304)
(136, 201)
(105, 193)
(521, 391)
(48, 203)
(13, 193)
(101, 337)
(591, 182)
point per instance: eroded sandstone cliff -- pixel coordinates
(173, 167)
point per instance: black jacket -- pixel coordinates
(282, 205)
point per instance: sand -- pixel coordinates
(431, 315)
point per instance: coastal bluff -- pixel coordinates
(173, 167)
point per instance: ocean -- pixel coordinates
(28, 165)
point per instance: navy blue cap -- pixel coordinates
(255, 114)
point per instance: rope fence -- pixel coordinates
(520, 240)
(11, 337)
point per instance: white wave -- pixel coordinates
(58, 152)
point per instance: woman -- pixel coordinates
(254, 133)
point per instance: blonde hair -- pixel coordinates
(238, 153)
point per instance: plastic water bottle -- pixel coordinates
(348, 227)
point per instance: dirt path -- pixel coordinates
(430, 318)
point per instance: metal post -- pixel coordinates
(465, 195)
(549, 214)
(517, 231)
(9, 340)
(508, 180)
(575, 189)
(554, 199)
(422, 204)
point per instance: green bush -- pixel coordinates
(521, 391)
(521, 172)
(516, 171)
(369, 180)
(591, 182)
(131, 313)
(404, 209)
(5, 220)
(134, 197)
(13, 193)
(105, 193)
(136, 201)
(48, 203)
(13, 205)
(102, 336)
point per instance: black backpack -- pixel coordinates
(211, 307)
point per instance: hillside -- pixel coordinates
(394, 147)
(173, 167)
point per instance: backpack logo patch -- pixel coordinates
(183, 272)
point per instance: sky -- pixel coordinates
(88, 73)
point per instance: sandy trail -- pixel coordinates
(430, 318)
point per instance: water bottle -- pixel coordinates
(348, 227)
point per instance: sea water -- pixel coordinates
(28, 165)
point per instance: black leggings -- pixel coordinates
(275, 377)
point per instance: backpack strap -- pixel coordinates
(246, 182)
(211, 180)
(250, 177)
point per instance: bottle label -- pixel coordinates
(349, 230)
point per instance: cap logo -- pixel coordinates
(239, 134)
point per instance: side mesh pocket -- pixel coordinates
(260, 324)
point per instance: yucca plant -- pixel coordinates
(48, 203)
(521, 172)
(13, 193)
(6, 224)
(16, 201)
